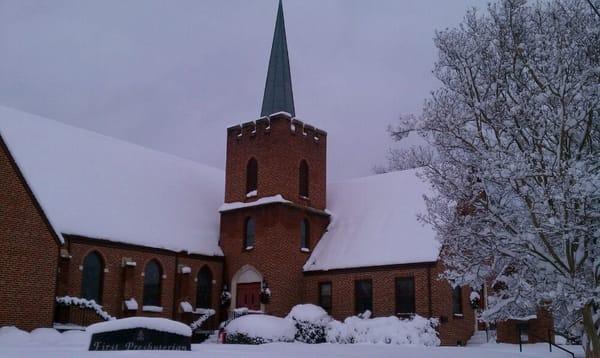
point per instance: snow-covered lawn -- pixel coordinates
(299, 350)
(48, 343)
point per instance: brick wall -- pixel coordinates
(537, 329)
(121, 283)
(276, 254)
(28, 253)
(278, 151)
(452, 329)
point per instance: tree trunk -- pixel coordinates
(592, 346)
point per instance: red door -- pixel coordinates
(248, 295)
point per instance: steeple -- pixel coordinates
(278, 89)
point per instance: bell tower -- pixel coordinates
(275, 194)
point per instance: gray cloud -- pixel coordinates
(172, 75)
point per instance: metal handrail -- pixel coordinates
(549, 338)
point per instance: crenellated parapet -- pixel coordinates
(264, 125)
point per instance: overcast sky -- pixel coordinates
(172, 75)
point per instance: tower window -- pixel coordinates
(249, 233)
(91, 280)
(457, 300)
(304, 234)
(152, 283)
(204, 288)
(251, 176)
(303, 179)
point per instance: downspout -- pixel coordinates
(175, 287)
(430, 304)
(56, 283)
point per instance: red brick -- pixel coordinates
(28, 253)
(116, 289)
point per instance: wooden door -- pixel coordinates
(248, 295)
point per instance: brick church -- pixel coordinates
(144, 233)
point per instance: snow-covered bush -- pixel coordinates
(384, 330)
(259, 329)
(308, 323)
(311, 323)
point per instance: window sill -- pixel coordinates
(156, 309)
(304, 198)
(248, 248)
(304, 249)
(199, 310)
(458, 316)
(405, 315)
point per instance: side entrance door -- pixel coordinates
(248, 295)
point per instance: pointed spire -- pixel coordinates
(278, 89)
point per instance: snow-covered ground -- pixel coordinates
(299, 350)
(48, 343)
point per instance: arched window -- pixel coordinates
(204, 288)
(251, 176)
(249, 233)
(91, 280)
(304, 234)
(303, 179)
(152, 283)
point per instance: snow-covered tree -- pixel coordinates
(513, 150)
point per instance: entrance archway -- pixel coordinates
(245, 288)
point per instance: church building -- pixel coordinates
(92, 227)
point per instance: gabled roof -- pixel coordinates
(278, 94)
(374, 223)
(100, 187)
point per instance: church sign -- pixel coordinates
(128, 337)
(139, 339)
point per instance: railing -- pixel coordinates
(76, 315)
(549, 340)
(79, 311)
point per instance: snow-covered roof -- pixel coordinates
(374, 222)
(262, 201)
(100, 187)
